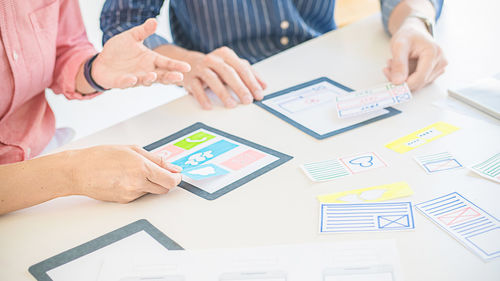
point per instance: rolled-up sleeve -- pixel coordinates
(72, 50)
(387, 6)
(118, 16)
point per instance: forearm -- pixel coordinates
(407, 7)
(35, 181)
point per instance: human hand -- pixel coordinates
(416, 57)
(125, 62)
(121, 173)
(216, 70)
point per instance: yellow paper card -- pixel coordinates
(369, 194)
(421, 137)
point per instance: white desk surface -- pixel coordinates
(280, 207)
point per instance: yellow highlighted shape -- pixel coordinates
(369, 194)
(421, 137)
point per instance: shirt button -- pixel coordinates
(284, 24)
(15, 56)
(284, 40)
(28, 153)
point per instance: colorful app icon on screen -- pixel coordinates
(194, 140)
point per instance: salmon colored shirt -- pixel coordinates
(43, 44)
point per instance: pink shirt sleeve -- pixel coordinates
(73, 49)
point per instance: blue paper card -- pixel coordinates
(312, 108)
(204, 172)
(365, 217)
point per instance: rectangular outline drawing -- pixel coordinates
(411, 220)
(440, 170)
(39, 270)
(446, 230)
(392, 111)
(386, 217)
(282, 158)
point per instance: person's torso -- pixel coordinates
(254, 29)
(27, 56)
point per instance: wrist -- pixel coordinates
(92, 74)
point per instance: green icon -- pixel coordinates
(194, 140)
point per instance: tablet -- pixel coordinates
(215, 162)
(483, 95)
(312, 108)
(84, 262)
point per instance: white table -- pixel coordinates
(280, 207)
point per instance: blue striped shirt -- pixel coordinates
(254, 29)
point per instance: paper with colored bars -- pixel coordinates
(369, 194)
(490, 168)
(372, 100)
(438, 162)
(421, 137)
(325, 170)
(345, 218)
(466, 222)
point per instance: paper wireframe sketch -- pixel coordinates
(466, 222)
(372, 100)
(312, 108)
(490, 168)
(335, 218)
(438, 162)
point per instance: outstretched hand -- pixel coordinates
(125, 62)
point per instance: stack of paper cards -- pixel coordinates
(371, 100)
(344, 166)
(365, 217)
(421, 137)
(490, 168)
(438, 162)
(369, 194)
(466, 222)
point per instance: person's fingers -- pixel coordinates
(262, 83)
(196, 89)
(126, 81)
(157, 159)
(166, 77)
(244, 70)
(147, 79)
(399, 66)
(150, 187)
(169, 64)
(230, 77)
(218, 87)
(425, 65)
(387, 72)
(162, 177)
(143, 31)
(435, 75)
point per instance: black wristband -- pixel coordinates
(87, 72)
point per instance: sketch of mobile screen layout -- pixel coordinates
(312, 108)
(215, 162)
(254, 276)
(372, 273)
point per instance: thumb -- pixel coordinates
(399, 66)
(143, 31)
